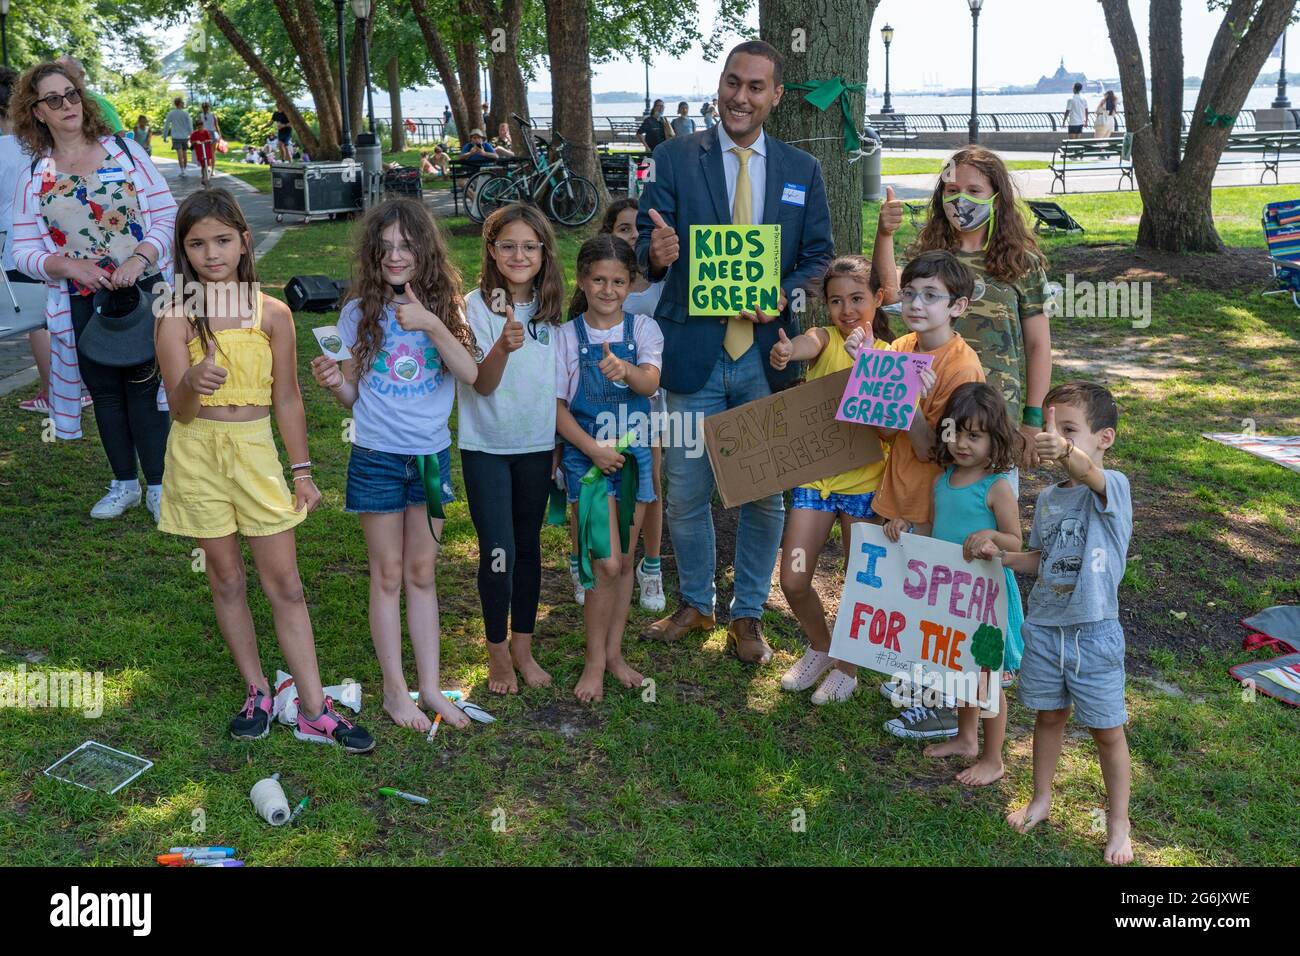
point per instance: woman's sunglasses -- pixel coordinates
(55, 100)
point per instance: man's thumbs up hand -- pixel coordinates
(664, 245)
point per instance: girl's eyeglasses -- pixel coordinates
(927, 296)
(508, 249)
(55, 100)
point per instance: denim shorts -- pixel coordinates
(1078, 664)
(576, 465)
(381, 482)
(855, 506)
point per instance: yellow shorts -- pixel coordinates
(222, 477)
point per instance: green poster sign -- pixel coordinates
(735, 269)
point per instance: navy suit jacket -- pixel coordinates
(690, 187)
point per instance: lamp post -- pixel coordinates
(887, 34)
(346, 149)
(975, 6)
(362, 9)
(4, 38)
(1282, 103)
(647, 87)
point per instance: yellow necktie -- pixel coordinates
(740, 333)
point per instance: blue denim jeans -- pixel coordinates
(690, 491)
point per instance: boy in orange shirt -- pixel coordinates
(936, 290)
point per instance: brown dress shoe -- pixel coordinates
(745, 640)
(678, 624)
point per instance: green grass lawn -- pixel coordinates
(720, 764)
(912, 165)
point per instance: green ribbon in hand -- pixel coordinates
(432, 490)
(593, 512)
(824, 94)
(1219, 119)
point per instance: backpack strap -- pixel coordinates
(121, 144)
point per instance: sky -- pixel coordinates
(1020, 40)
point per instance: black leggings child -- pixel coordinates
(126, 408)
(507, 497)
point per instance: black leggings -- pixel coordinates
(126, 408)
(507, 497)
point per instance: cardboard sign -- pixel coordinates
(784, 440)
(919, 607)
(735, 269)
(884, 388)
(331, 343)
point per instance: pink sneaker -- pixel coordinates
(332, 728)
(38, 404)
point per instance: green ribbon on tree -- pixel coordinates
(1219, 119)
(593, 512)
(823, 96)
(432, 490)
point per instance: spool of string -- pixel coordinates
(269, 801)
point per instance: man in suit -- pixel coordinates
(731, 173)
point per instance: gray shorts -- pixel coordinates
(1078, 664)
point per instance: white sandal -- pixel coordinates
(836, 687)
(807, 670)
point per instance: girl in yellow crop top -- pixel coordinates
(853, 296)
(228, 358)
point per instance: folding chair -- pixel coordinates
(4, 239)
(1281, 223)
(1052, 216)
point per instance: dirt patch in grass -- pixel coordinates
(1247, 268)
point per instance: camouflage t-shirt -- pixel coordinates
(991, 326)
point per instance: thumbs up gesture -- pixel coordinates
(854, 343)
(207, 376)
(412, 316)
(891, 213)
(782, 351)
(664, 245)
(1050, 444)
(512, 333)
(613, 367)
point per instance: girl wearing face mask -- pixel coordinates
(975, 215)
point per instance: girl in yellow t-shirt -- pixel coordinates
(853, 298)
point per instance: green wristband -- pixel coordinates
(1033, 415)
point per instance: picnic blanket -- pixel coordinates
(1276, 627)
(1285, 450)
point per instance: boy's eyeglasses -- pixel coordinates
(927, 296)
(55, 100)
(508, 249)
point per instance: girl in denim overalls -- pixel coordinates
(607, 368)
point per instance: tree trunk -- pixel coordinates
(442, 60)
(1177, 203)
(568, 46)
(467, 67)
(395, 104)
(357, 77)
(814, 55)
(501, 26)
(303, 32)
(282, 99)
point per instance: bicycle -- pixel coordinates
(570, 200)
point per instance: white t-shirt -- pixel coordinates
(209, 121)
(519, 416)
(1078, 110)
(646, 301)
(179, 124)
(404, 399)
(649, 349)
(13, 161)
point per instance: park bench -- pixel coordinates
(1086, 156)
(1271, 148)
(622, 130)
(893, 132)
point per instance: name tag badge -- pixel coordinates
(793, 194)
(111, 174)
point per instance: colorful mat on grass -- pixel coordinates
(1285, 450)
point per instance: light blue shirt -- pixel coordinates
(757, 170)
(13, 162)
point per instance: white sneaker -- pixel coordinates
(115, 503)
(836, 687)
(652, 589)
(153, 501)
(807, 670)
(579, 592)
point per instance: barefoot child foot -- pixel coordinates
(404, 711)
(1030, 815)
(1119, 848)
(956, 747)
(623, 672)
(591, 685)
(501, 669)
(521, 653)
(437, 703)
(983, 773)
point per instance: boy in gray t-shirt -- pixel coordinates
(1074, 645)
